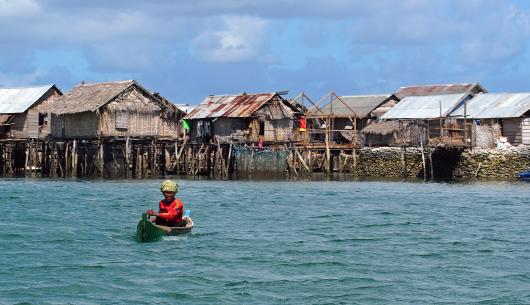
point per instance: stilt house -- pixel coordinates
(352, 113)
(422, 116)
(244, 118)
(22, 114)
(496, 115)
(113, 109)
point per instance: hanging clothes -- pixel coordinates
(302, 123)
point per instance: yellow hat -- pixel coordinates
(169, 186)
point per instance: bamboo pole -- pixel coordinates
(308, 171)
(53, 155)
(341, 165)
(101, 158)
(60, 159)
(127, 153)
(354, 156)
(67, 164)
(74, 158)
(2, 159)
(26, 162)
(423, 162)
(310, 160)
(44, 160)
(228, 160)
(218, 157)
(432, 165)
(134, 159)
(154, 154)
(9, 165)
(403, 161)
(327, 161)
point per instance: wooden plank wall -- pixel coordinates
(511, 129)
(525, 131)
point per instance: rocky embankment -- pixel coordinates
(501, 164)
(498, 164)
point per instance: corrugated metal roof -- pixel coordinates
(241, 105)
(438, 89)
(424, 107)
(495, 105)
(361, 104)
(18, 100)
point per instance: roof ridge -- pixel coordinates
(83, 83)
(436, 85)
(29, 87)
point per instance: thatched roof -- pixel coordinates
(90, 97)
(171, 108)
(382, 128)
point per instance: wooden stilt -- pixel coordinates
(432, 165)
(74, 158)
(327, 166)
(134, 161)
(127, 156)
(26, 162)
(228, 160)
(403, 161)
(307, 170)
(423, 161)
(101, 157)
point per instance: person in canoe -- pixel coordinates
(170, 208)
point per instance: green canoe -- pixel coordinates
(148, 231)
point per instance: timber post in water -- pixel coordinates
(137, 158)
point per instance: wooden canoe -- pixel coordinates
(148, 231)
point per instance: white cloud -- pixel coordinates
(16, 8)
(241, 39)
(501, 37)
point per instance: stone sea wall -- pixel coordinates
(498, 164)
(387, 162)
(501, 164)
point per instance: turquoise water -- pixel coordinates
(267, 243)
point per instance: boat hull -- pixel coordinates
(524, 175)
(148, 231)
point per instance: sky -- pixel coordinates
(189, 49)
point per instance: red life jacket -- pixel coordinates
(170, 214)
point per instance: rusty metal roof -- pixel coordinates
(231, 106)
(495, 105)
(18, 100)
(439, 89)
(425, 107)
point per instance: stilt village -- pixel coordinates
(120, 129)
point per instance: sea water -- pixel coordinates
(272, 242)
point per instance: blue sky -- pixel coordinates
(188, 49)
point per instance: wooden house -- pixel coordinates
(22, 114)
(352, 113)
(113, 109)
(432, 111)
(496, 115)
(422, 116)
(244, 118)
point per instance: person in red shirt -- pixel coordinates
(170, 208)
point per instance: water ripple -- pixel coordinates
(309, 242)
